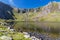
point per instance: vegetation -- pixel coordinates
(14, 35)
(36, 22)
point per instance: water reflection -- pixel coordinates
(50, 27)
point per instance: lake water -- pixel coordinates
(53, 27)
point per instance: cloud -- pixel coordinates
(11, 2)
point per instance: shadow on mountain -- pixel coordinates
(6, 11)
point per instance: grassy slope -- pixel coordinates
(54, 17)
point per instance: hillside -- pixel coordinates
(50, 12)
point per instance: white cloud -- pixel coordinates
(11, 2)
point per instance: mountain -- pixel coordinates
(51, 7)
(6, 11)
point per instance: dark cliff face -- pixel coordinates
(6, 11)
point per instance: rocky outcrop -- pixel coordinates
(6, 11)
(51, 7)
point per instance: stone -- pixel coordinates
(26, 35)
(5, 38)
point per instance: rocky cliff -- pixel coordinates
(6, 11)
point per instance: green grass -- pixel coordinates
(14, 35)
(23, 16)
(18, 36)
(53, 17)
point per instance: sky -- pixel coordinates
(5, 1)
(27, 3)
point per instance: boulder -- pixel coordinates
(5, 38)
